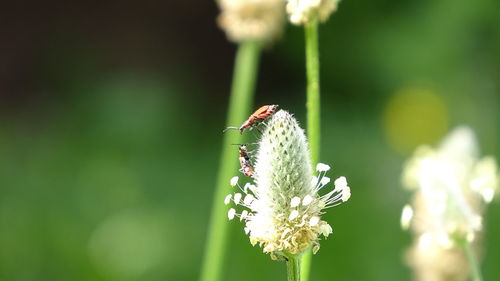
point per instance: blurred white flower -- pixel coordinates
(261, 20)
(301, 12)
(451, 185)
(284, 211)
(434, 263)
(454, 184)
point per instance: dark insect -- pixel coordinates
(245, 163)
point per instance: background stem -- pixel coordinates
(293, 268)
(473, 264)
(313, 111)
(242, 92)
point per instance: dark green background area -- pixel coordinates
(111, 119)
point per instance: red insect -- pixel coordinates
(246, 165)
(256, 118)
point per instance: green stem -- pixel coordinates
(474, 266)
(313, 111)
(293, 268)
(242, 92)
(313, 96)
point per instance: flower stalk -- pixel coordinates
(293, 267)
(473, 264)
(313, 90)
(242, 92)
(313, 110)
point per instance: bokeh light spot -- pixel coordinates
(130, 244)
(414, 116)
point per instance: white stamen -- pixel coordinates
(314, 181)
(227, 199)
(406, 217)
(313, 221)
(244, 215)
(237, 198)
(315, 249)
(346, 194)
(340, 183)
(231, 213)
(488, 194)
(325, 229)
(245, 187)
(293, 215)
(322, 167)
(307, 200)
(234, 181)
(325, 180)
(248, 199)
(295, 202)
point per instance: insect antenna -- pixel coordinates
(249, 143)
(230, 128)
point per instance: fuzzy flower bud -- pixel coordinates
(261, 20)
(452, 186)
(284, 216)
(301, 12)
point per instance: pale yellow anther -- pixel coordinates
(244, 215)
(295, 202)
(325, 180)
(227, 199)
(314, 221)
(307, 200)
(346, 194)
(231, 213)
(293, 215)
(237, 198)
(248, 199)
(234, 181)
(340, 183)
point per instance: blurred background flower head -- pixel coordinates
(260, 20)
(451, 186)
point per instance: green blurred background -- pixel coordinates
(111, 116)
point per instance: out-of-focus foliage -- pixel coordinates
(111, 120)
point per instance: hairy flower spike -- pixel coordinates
(284, 215)
(301, 12)
(261, 20)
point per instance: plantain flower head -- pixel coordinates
(301, 12)
(283, 206)
(261, 20)
(452, 186)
